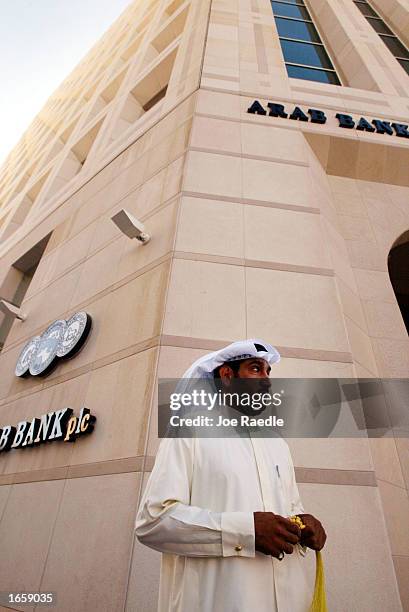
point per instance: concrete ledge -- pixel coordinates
(146, 463)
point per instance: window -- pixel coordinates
(17, 282)
(398, 50)
(304, 54)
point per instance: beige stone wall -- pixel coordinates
(261, 227)
(67, 511)
(310, 214)
(90, 266)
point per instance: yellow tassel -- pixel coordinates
(319, 602)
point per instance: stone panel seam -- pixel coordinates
(270, 204)
(393, 484)
(221, 77)
(99, 468)
(336, 476)
(253, 263)
(143, 464)
(278, 160)
(285, 351)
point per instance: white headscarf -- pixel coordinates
(242, 349)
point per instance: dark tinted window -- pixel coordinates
(291, 28)
(290, 10)
(301, 44)
(366, 9)
(395, 46)
(379, 26)
(404, 64)
(323, 76)
(386, 35)
(304, 53)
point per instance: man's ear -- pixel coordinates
(226, 374)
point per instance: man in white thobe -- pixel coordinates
(218, 511)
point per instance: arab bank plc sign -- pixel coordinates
(61, 340)
(57, 425)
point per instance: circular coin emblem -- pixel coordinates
(76, 331)
(26, 355)
(47, 347)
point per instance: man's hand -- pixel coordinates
(313, 535)
(275, 534)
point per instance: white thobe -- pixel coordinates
(197, 509)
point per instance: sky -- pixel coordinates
(41, 41)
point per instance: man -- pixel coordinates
(217, 509)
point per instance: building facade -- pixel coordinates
(265, 147)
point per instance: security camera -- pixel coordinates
(130, 226)
(11, 309)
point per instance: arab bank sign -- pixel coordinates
(314, 115)
(58, 425)
(61, 340)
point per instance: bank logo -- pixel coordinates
(61, 339)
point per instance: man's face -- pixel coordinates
(252, 377)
